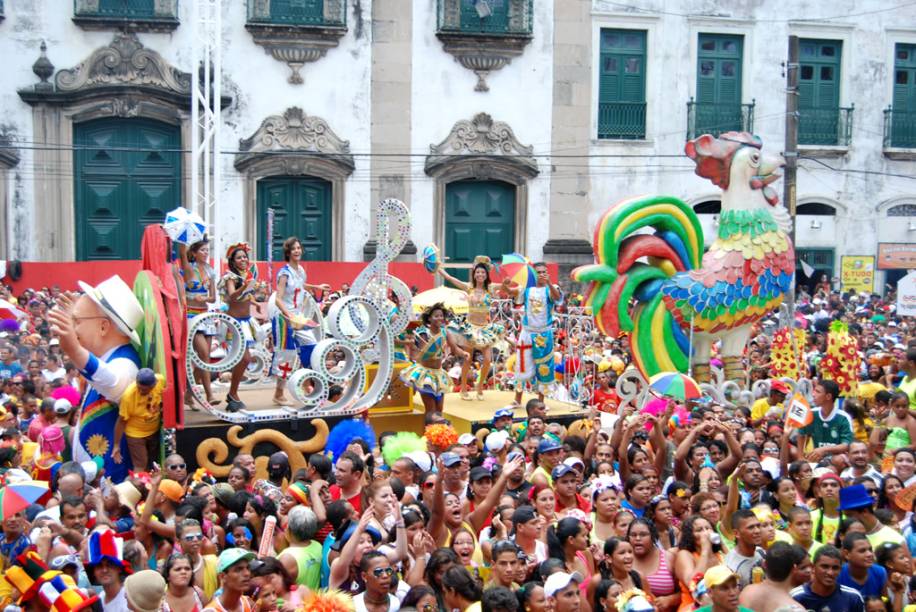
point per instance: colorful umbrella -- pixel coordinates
(8, 311)
(518, 269)
(184, 226)
(453, 299)
(676, 385)
(431, 258)
(17, 496)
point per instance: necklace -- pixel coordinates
(199, 565)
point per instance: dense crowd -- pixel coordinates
(666, 506)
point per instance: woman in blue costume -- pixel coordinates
(238, 287)
(291, 331)
(427, 349)
(478, 331)
(200, 291)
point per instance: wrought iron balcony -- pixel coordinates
(899, 129)
(484, 35)
(622, 120)
(297, 31)
(314, 13)
(704, 118)
(134, 15)
(485, 17)
(825, 126)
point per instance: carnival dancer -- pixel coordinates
(535, 344)
(292, 332)
(427, 349)
(478, 331)
(200, 291)
(96, 331)
(238, 287)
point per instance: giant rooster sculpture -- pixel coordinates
(654, 286)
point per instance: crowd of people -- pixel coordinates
(671, 505)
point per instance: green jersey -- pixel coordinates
(829, 431)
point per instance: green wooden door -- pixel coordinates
(903, 128)
(302, 208)
(819, 92)
(127, 174)
(718, 99)
(479, 220)
(622, 85)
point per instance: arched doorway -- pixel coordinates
(813, 263)
(127, 174)
(479, 220)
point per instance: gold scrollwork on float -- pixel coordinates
(213, 452)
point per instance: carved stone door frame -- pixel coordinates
(485, 150)
(296, 144)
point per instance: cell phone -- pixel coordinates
(155, 466)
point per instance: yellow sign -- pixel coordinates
(857, 273)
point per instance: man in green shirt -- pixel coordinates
(908, 384)
(830, 429)
(722, 586)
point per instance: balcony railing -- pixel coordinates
(825, 126)
(704, 118)
(899, 129)
(622, 120)
(485, 17)
(316, 13)
(153, 15)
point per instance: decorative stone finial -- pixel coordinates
(43, 68)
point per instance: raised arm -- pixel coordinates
(659, 444)
(400, 543)
(478, 517)
(455, 281)
(340, 568)
(437, 512)
(681, 468)
(731, 503)
(727, 465)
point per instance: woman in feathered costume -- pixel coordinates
(427, 350)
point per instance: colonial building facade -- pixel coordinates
(505, 125)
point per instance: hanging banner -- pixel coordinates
(857, 273)
(906, 295)
(896, 256)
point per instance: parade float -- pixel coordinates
(652, 280)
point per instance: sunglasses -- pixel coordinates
(429, 485)
(193, 537)
(178, 466)
(382, 571)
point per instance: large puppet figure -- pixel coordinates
(96, 332)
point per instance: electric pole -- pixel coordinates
(791, 156)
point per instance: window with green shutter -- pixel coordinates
(622, 84)
(903, 119)
(718, 102)
(819, 121)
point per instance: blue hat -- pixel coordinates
(513, 454)
(561, 470)
(146, 377)
(855, 497)
(451, 459)
(503, 412)
(549, 443)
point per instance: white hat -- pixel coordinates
(572, 461)
(421, 459)
(497, 440)
(54, 342)
(466, 438)
(118, 302)
(558, 581)
(62, 406)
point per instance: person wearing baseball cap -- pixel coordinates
(772, 406)
(234, 581)
(502, 419)
(565, 485)
(547, 458)
(139, 417)
(562, 590)
(722, 586)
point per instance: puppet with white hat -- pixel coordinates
(97, 332)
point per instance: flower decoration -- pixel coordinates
(842, 361)
(787, 353)
(440, 436)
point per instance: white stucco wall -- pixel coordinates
(336, 89)
(866, 82)
(521, 94)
